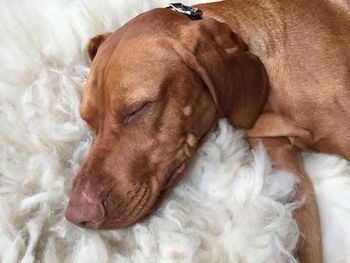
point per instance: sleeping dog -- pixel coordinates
(159, 84)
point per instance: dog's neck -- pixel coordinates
(242, 19)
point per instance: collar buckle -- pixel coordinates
(193, 12)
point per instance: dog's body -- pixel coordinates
(304, 47)
(190, 73)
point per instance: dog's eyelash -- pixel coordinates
(129, 117)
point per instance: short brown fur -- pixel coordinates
(158, 85)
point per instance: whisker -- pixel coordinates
(143, 181)
(140, 201)
(125, 205)
(143, 206)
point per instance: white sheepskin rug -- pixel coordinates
(231, 207)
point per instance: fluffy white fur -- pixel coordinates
(231, 207)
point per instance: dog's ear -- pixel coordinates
(95, 43)
(236, 78)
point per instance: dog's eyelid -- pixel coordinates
(139, 110)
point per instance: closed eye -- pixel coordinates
(136, 113)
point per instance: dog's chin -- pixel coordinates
(114, 226)
(109, 223)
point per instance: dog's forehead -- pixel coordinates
(135, 61)
(139, 68)
(146, 75)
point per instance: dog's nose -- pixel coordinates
(84, 212)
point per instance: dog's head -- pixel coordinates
(156, 88)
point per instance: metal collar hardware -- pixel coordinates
(193, 12)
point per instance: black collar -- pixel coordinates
(192, 12)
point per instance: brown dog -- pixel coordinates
(158, 85)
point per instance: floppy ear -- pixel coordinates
(236, 78)
(95, 43)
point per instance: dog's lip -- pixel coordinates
(175, 176)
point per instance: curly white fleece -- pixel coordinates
(231, 207)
